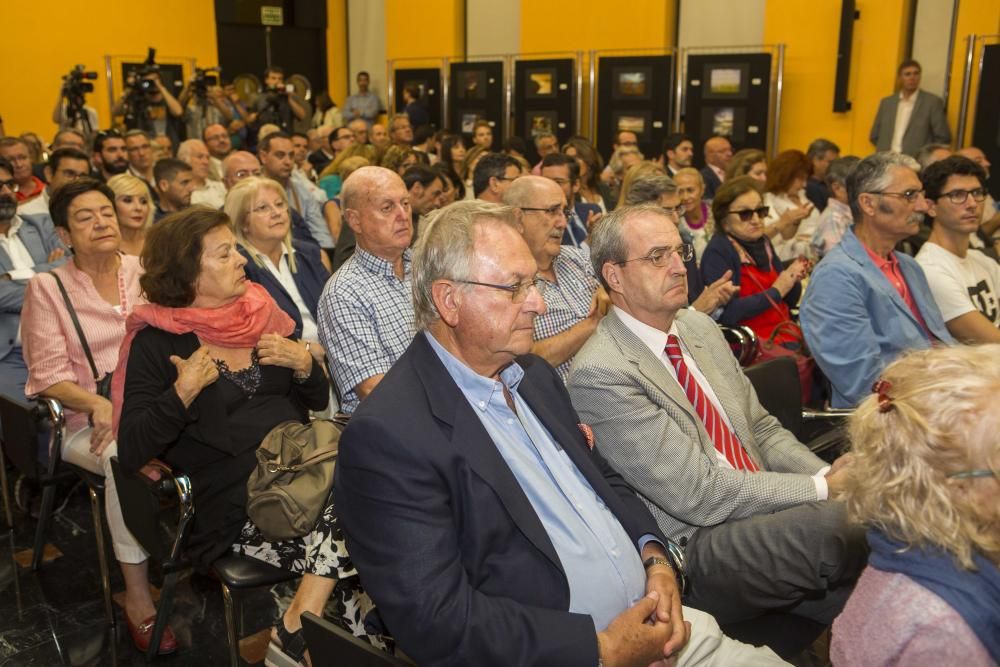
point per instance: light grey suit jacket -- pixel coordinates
(39, 238)
(645, 426)
(928, 123)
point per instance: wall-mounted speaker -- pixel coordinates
(848, 15)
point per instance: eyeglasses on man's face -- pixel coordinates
(747, 214)
(660, 257)
(552, 211)
(961, 196)
(518, 291)
(909, 196)
(674, 212)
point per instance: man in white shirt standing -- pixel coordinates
(963, 281)
(910, 118)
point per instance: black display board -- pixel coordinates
(475, 92)
(986, 128)
(428, 82)
(544, 98)
(728, 94)
(634, 93)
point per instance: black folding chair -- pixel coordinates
(20, 422)
(331, 646)
(142, 500)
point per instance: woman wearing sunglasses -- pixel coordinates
(767, 287)
(926, 482)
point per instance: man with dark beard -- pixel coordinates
(28, 245)
(110, 154)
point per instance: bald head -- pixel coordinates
(364, 182)
(527, 190)
(239, 165)
(718, 152)
(377, 209)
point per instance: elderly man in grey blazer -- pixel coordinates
(28, 245)
(911, 118)
(674, 414)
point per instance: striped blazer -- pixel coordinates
(647, 429)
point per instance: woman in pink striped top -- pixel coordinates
(103, 286)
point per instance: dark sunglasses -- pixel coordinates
(746, 214)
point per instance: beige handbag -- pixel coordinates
(290, 487)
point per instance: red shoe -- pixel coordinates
(143, 633)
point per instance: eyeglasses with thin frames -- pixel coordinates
(675, 211)
(961, 196)
(518, 291)
(746, 214)
(910, 196)
(660, 257)
(553, 210)
(972, 474)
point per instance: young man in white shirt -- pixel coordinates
(964, 282)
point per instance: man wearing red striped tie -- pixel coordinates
(672, 411)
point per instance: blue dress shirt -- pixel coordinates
(603, 568)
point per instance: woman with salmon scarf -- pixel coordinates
(205, 372)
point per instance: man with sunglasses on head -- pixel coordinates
(673, 412)
(964, 281)
(866, 304)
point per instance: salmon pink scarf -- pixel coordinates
(237, 324)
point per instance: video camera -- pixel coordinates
(138, 82)
(203, 78)
(75, 86)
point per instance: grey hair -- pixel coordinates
(607, 238)
(873, 175)
(445, 250)
(819, 147)
(927, 151)
(648, 189)
(840, 169)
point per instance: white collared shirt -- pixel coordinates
(656, 341)
(903, 112)
(284, 275)
(37, 205)
(20, 258)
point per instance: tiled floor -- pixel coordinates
(56, 616)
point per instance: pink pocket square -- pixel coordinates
(588, 433)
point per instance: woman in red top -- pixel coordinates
(767, 288)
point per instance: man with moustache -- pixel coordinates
(64, 165)
(28, 245)
(110, 156)
(866, 304)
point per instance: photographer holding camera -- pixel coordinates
(276, 104)
(148, 105)
(204, 101)
(71, 111)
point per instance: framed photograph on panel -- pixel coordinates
(541, 83)
(726, 81)
(638, 122)
(631, 83)
(538, 122)
(472, 85)
(726, 122)
(469, 120)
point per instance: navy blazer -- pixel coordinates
(575, 236)
(712, 182)
(446, 542)
(310, 277)
(719, 256)
(39, 238)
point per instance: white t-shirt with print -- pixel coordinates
(962, 285)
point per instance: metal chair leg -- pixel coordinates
(8, 509)
(97, 511)
(44, 517)
(162, 615)
(234, 645)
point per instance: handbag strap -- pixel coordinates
(317, 457)
(763, 290)
(76, 325)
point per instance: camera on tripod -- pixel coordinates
(139, 82)
(204, 78)
(77, 82)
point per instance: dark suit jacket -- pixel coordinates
(928, 123)
(712, 182)
(309, 278)
(446, 542)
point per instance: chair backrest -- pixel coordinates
(742, 341)
(19, 421)
(331, 646)
(776, 382)
(142, 501)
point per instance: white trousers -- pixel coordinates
(76, 450)
(708, 647)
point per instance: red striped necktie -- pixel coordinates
(722, 436)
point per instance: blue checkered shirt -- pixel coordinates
(568, 299)
(365, 321)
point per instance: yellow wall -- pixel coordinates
(428, 29)
(336, 49)
(975, 17)
(45, 39)
(565, 25)
(811, 31)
